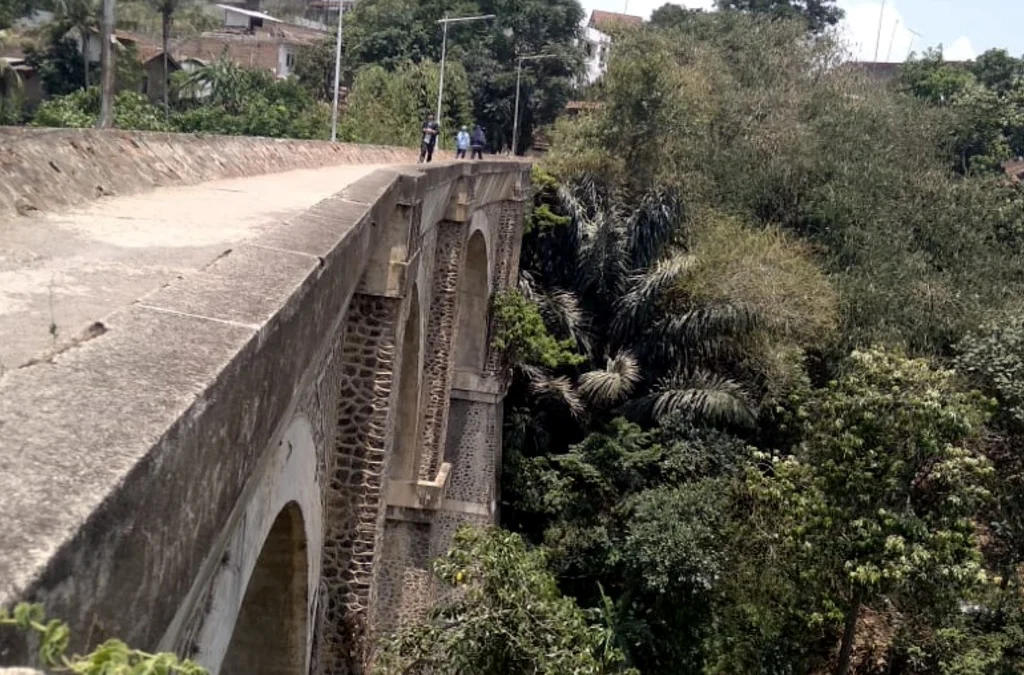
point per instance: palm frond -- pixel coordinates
(703, 394)
(652, 225)
(562, 310)
(638, 306)
(612, 385)
(558, 390)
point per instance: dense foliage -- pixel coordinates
(984, 100)
(503, 614)
(787, 284)
(387, 107)
(221, 98)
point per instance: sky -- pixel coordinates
(965, 28)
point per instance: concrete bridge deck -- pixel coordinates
(73, 268)
(271, 399)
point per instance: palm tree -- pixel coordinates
(166, 9)
(612, 278)
(83, 16)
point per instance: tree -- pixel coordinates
(391, 33)
(818, 14)
(879, 499)
(314, 67)
(166, 9)
(10, 10)
(226, 98)
(389, 107)
(672, 16)
(504, 615)
(82, 16)
(931, 78)
(639, 516)
(59, 66)
(997, 70)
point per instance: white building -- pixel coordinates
(595, 49)
(597, 41)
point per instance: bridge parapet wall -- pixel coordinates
(50, 169)
(142, 471)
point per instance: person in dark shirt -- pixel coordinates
(430, 132)
(477, 142)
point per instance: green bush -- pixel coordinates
(81, 109)
(524, 339)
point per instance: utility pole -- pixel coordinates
(106, 120)
(892, 38)
(878, 38)
(519, 79)
(444, 56)
(337, 72)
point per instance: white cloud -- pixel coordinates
(960, 50)
(860, 31)
(642, 7)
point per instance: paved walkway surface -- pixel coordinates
(72, 269)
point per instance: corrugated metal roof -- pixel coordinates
(249, 13)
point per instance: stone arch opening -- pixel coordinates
(405, 464)
(474, 296)
(270, 632)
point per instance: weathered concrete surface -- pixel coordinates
(72, 269)
(140, 469)
(49, 169)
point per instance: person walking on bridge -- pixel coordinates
(478, 141)
(430, 132)
(462, 143)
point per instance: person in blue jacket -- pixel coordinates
(461, 143)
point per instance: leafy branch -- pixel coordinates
(113, 657)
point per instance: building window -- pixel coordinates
(289, 60)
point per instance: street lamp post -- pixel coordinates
(444, 52)
(519, 79)
(337, 72)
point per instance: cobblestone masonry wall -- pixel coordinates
(404, 579)
(471, 448)
(506, 261)
(359, 469)
(321, 408)
(439, 366)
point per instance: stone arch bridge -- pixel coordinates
(246, 389)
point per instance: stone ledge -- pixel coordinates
(420, 495)
(482, 388)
